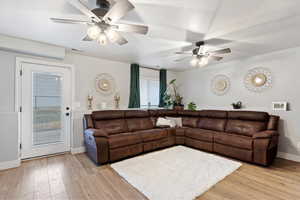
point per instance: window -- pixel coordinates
(149, 88)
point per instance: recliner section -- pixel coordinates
(114, 135)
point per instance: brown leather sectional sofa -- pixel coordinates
(248, 136)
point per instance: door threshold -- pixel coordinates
(45, 156)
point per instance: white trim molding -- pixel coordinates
(78, 150)
(10, 164)
(288, 156)
(18, 89)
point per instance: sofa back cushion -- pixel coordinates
(189, 118)
(113, 126)
(246, 122)
(138, 120)
(243, 127)
(110, 121)
(213, 124)
(248, 115)
(212, 120)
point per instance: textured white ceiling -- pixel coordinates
(248, 27)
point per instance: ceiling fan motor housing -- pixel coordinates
(102, 9)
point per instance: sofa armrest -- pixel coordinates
(265, 134)
(96, 132)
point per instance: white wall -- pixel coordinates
(86, 69)
(285, 68)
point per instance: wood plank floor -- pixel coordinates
(76, 177)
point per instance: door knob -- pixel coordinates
(67, 114)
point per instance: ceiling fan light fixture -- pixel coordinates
(102, 39)
(94, 32)
(203, 61)
(194, 62)
(111, 34)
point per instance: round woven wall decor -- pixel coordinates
(220, 85)
(105, 84)
(258, 79)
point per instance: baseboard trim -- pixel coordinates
(77, 150)
(289, 156)
(10, 164)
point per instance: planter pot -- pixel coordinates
(178, 107)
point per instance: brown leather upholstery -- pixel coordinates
(273, 122)
(247, 128)
(249, 136)
(241, 154)
(200, 134)
(213, 114)
(113, 126)
(198, 144)
(234, 140)
(108, 114)
(212, 124)
(189, 118)
(152, 134)
(190, 121)
(136, 124)
(249, 116)
(123, 139)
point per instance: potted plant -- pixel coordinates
(192, 106)
(172, 98)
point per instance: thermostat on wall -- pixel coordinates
(280, 106)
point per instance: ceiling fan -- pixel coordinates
(102, 25)
(201, 57)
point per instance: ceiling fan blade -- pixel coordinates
(69, 21)
(215, 58)
(181, 59)
(84, 9)
(184, 52)
(221, 51)
(133, 28)
(119, 10)
(115, 37)
(87, 39)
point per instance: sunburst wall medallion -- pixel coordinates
(220, 85)
(105, 84)
(258, 79)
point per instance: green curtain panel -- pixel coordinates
(162, 86)
(134, 98)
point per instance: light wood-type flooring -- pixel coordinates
(76, 177)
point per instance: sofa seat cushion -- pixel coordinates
(152, 134)
(123, 139)
(200, 134)
(234, 140)
(180, 131)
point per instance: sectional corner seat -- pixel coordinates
(245, 135)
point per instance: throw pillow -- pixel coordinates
(165, 122)
(176, 120)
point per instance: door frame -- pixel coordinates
(18, 92)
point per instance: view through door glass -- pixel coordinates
(47, 115)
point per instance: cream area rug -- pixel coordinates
(177, 173)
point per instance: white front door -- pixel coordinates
(46, 110)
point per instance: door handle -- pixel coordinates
(67, 114)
